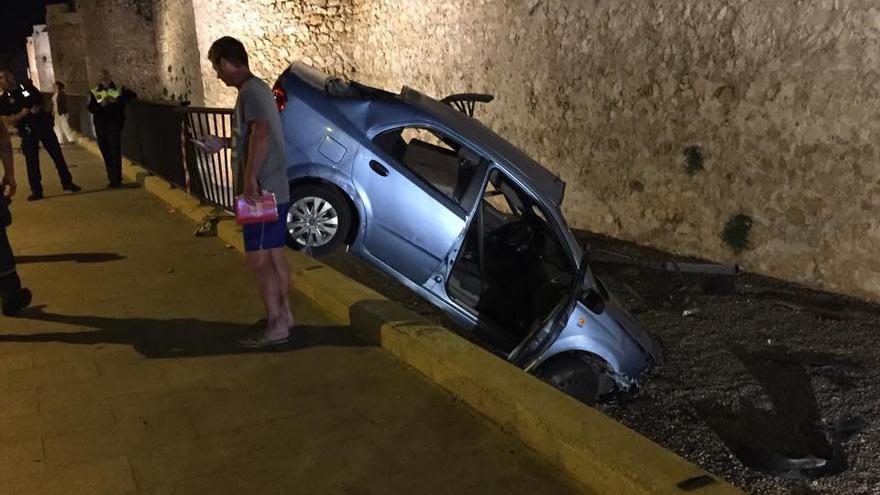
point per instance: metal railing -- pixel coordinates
(212, 173)
(153, 137)
(157, 135)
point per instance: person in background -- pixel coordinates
(13, 297)
(260, 165)
(21, 105)
(59, 105)
(107, 104)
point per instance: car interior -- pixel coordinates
(512, 269)
(438, 160)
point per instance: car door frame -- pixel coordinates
(541, 337)
(420, 182)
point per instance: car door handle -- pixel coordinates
(378, 168)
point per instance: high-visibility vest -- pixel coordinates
(100, 94)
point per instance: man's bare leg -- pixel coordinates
(282, 274)
(267, 280)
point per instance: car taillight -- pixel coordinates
(280, 95)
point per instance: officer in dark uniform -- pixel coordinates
(21, 104)
(13, 298)
(107, 104)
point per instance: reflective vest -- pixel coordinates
(100, 94)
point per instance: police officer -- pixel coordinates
(13, 297)
(107, 104)
(21, 104)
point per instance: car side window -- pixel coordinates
(440, 161)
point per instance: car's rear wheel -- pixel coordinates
(318, 219)
(579, 376)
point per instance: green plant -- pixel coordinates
(736, 232)
(693, 159)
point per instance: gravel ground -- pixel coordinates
(771, 372)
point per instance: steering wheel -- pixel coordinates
(522, 237)
(516, 236)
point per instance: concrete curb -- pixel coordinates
(599, 453)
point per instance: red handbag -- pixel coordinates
(263, 210)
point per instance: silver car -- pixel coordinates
(427, 194)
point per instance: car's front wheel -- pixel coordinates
(318, 219)
(579, 376)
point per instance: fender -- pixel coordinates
(603, 336)
(310, 172)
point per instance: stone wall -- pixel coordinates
(179, 71)
(775, 103)
(148, 45)
(121, 36)
(33, 73)
(275, 32)
(780, 98)
(45, 74)
(68, 49)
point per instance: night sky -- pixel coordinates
(17, 18)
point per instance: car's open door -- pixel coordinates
(513, 270)
(413, 182)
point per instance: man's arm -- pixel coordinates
(14, 118)
(258, 151)
(127, 95)
(93, 105)
(34, 99)
(6, 158)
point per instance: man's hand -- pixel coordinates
(13, 119)
(251, 190)
(35, 109)
(9, 186)
(211, 144)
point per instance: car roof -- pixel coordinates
(548, 184)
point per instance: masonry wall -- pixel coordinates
(43, 58)
(121, 36)
(179, 70)
(779, 97)
(275, 33)
(776, 102)
(67, 45)
(33, 73)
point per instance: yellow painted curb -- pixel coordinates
(604, 456)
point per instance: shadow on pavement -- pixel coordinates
(787, 438)
(78, 257)
(127, 185)
(176, 337)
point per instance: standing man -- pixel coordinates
(13, 297)
(258, 152)
(59, 104)
(21, 104)
(107, 104)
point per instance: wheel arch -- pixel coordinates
(605, 383)
(356, 213)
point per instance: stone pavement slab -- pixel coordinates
(124, 377)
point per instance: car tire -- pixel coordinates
(578, 376)
(330, 216)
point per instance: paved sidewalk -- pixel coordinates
(123, 378)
